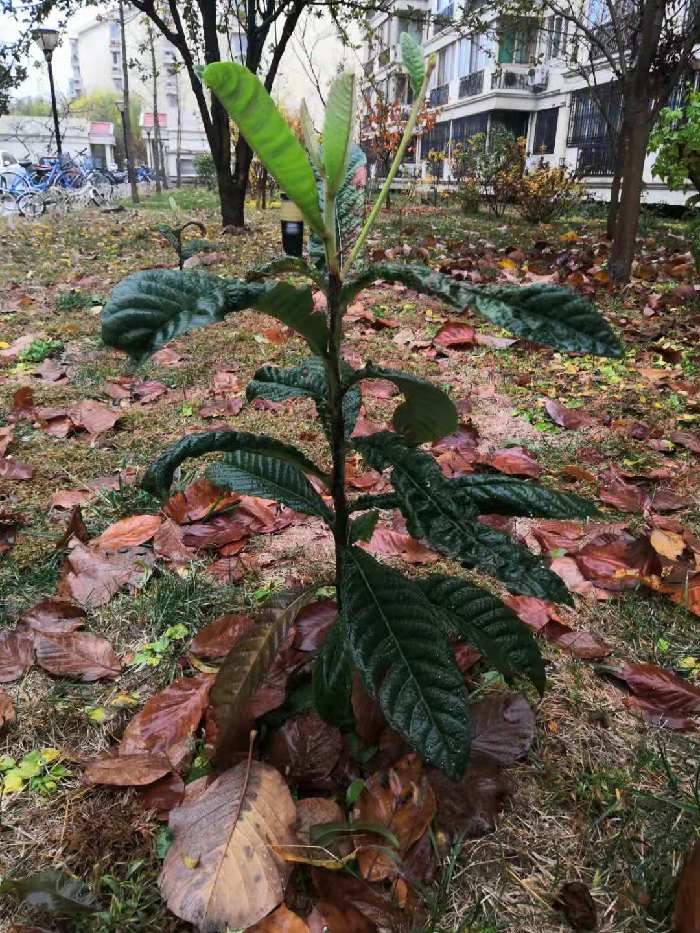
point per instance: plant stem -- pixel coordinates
(405, 139)
(335, 404)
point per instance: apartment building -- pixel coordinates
(96, 65)
(523, 81)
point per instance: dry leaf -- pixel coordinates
(230, 830)
(686, 915)
(127, 770)
(667, 543)
(129, 532)
(7, 710)
(16, 653)
(77, 654)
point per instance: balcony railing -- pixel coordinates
(439, 95)
(596, 159)
(471, 85)
(384, 57)
(507, 80)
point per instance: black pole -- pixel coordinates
(126, 149)
(54, 108)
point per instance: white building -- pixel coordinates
(522, 81)
(96, 65)
(28, 138)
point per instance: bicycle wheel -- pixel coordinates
(101, 183)
(15, 183)
(8, 204)
(31, 204)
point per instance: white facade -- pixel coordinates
(28, 138)
(96, 65)
(521, 81)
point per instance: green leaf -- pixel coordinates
(322, 833)
(412, 60)
(308, 379)
(54, 891)
(380, 500)
(255, 474)
(363, 527)
(245, 666)
(546, 314)
(481, 619)
(266, 131)
(192, 247)
(149, 309)
(349, 209)
(404, 658)
(427, 414)
(495, 493)
(295, 307)
(337, 130)
(294, 264)
(159, 475)
(332, 678)
(310, 137)
(447, 522)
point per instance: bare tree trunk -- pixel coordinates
(627, 222)
(128, 138)
(156, 122)
(620, 146)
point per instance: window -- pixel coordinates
(171, 100)
(478, 54)
(545, 131)
(444, 13)
(444, 65)
(556, 27)
(598, 11)
(116, 58)
(466, 127)
(517, 44)
(464, 50)
(594, 113)
(118, 84)
(413, 26)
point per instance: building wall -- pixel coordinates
(28, 138)
(473, 79)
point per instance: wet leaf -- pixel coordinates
(660, 688)
(471, 805)
(7, 709)
(455, 335)
(82, 655)
(198, 500)
(53, 891)
(281, 920)
(230, 830)
(92, 579)
(313, 622)
(163, 795)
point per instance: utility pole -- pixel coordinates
(126, 117)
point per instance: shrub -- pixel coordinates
(490, 166)
(546, 193)
(205, 169)
(395, 631)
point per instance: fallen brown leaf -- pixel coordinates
(77, 654)
(134, 770)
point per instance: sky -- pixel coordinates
(293, 82)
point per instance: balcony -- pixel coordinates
(507, 79)
(596, 159)
(439, 96)
(471, 85)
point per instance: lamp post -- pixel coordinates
(47, 40)
(119, 103)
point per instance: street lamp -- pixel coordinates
(47, 40)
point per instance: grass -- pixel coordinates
(603, 798)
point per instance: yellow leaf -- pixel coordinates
(49, 754)
(12, 782)
(97, 714)
(190, 861)
(667, 543)
(507, 263)
(569, 237)
(689, 663)
(125, 699)
(202, 665)
(4, 345)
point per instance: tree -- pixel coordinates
(633, 54)
(676, 142)
(11, 76)
(383, 124)
(102, 105)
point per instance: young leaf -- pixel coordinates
(294, 264)
(405, 659)
(332, 679)
(547, 314)
(308, 379)
(149, 309)
(412, 60)
(337, 130)
(159, 475)
(244, 667)
(498, 494)
(310, 137)
(427, 414)
(349, 208)
(266, 131)
(447, 522)
(294, 307)
(256, 474)
(481, 619)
